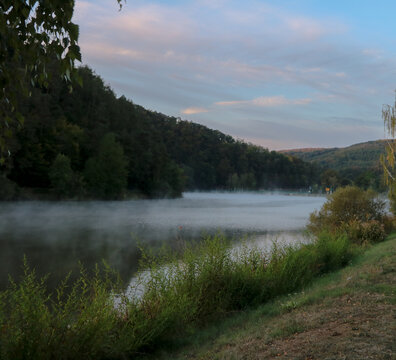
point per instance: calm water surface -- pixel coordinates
(55, 236)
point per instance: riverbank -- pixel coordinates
(347, 314)
(93, 318)
(185, 295)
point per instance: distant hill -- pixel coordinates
(300, 150)
(358, 164)
(350, 160)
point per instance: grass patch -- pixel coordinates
(288, 328)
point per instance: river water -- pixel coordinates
(55, 236)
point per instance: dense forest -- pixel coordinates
(358, 164)
(90, 144)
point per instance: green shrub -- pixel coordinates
(333, 252)
(293, 267)
(26, 319)
(350, 210)
(365, 232)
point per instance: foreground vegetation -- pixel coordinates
(174, 294)
(82, 321)
(347, 314)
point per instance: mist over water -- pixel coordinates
(55, 236)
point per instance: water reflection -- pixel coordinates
(55, 236)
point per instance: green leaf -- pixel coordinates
(73, 32)
(79, 79)
(67, 74)
(20, 118)
(26, 12)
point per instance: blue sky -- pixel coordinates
(281, 74)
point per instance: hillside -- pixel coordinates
(362, 156)
(357, 163)
(91, 144)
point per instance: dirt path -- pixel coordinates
(361, 326)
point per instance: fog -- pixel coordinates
(55, 236)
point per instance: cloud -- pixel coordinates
(82, 9)
(266, 101)
(306, 28)
(212, 4)
(260, 102)
(376, 53)
(277, 135)
(276, 144)
(224, 55)
(194, 110)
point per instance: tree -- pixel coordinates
(33, 33)
(388, 160)
(330, 179)
(248, 181)
(61, 176)
(233, 182)
(175, 178)
(106, 174)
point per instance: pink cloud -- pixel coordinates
(194, 110)
(266, 101)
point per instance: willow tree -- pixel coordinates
(388, 159)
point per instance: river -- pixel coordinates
(55, 236)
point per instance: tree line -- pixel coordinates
(357, 165)
(90, 144)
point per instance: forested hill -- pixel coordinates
(89, 143)
(359, 162)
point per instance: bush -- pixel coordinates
(357, 213)
(365, 232)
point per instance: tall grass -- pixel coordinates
(206, 282)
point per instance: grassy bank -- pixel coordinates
(205, 283)
(347, 314)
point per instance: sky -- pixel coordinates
(281, 74)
